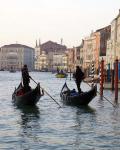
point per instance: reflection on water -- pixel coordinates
(28, 114)
(29, 125)
(85, 122)
(45, 127)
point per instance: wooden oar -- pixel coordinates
(47, 93)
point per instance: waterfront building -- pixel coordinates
(51, 54)
(42, 62)
(91, 52)
(109, 55)
(71, 59)
(15, 56)
(77, 56)
(94, 48)
(65, 61)
(115, 37)
(60, 61)
(82, 54)
(88, 53)
(38, 52)
(105, 35)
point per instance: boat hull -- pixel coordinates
(61, 75)
(29, 98)
(84, 98)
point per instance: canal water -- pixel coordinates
(48, 127)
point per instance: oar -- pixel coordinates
(103, 96)
(66, 79)
(47, 93)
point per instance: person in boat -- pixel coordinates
(26, 78)
(58, 70)
(79, 76)
(62, 72)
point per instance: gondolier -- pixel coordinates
(24, 94)
(79, 76)
(25, 78)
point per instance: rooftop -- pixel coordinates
(16, 46)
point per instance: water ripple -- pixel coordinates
(48, 127)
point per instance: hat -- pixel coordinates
(25, 66)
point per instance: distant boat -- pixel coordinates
(61, 75)
(12, 70)
(54, 71)
(2, 70)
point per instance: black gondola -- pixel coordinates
(31, 97)
(71, 97)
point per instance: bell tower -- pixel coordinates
(37, 54)
(38, 48)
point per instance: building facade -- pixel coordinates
(15, 56)
(115, 37)
(38, 52)
(60, 61)
(71, 59)
(50, 54)
(82, 54)
(43, 62)
(109, 54)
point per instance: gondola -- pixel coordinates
(71, 97)
(31, 97)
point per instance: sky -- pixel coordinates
(25, 21)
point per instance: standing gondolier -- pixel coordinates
(79, 76)
(26, 78)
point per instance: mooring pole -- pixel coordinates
(92, 73)
(112, 79)
(70, 73)
(101, 77)
(116, 80)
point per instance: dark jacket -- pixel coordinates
(79, 75)
(25, 75)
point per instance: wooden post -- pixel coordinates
(108, 73)
(70, 73)
(101, 77)
(112, 79)
(116, 80)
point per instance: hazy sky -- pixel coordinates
(24, 21)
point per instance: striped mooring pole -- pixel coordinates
(92, 73)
